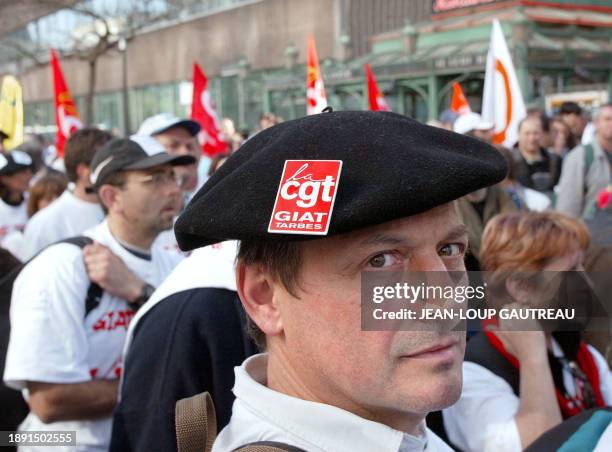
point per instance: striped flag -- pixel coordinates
(502, 102)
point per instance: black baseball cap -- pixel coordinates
(138, 152)
(14, 161)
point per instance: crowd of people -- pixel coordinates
(136, 273)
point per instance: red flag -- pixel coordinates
(66, 113)
(375, 96)
(316, 100)
(202, 111)
(459, 103)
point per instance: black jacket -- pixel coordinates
(187, 344)
(14, 409)
(549, 169)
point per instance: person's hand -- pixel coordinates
(522, 338)
(110, 272)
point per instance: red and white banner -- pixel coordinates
(316, 100)
(305, 198)
(459, 103)
(66, 113)
(203, 111)
(375, 96)
(502, 102)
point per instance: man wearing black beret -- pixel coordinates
(314, 203)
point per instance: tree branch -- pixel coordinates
(23, 50)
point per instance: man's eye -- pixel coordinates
(383, 260)
(452, 250)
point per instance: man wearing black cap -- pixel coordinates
(64, 351)
(15, 175)
(315, 202)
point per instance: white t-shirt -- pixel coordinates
(15, 243)
(65, 217)
(12, 218)
(167, 241)
(261, 414)
(51, 339)
(483, 418)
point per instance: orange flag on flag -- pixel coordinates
(203, 111)
(316, 100)
(459, 103)
(375, 96)
(66, 113)
(502, 101)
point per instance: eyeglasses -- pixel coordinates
(160, 179)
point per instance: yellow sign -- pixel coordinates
(11, 112)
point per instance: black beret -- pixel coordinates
(392, 167)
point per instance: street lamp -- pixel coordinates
(291, 59)
(345, 46)
(122, 47)
(291, 56)
(243, 72)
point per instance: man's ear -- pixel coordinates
(256, 291)
(108, 196)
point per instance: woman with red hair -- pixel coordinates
(522, 379)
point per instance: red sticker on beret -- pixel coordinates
(305, 197)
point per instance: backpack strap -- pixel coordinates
(196, 423)
(80, 240)
(589, 157)
(94, 292)
(268, 446)
(196, 428)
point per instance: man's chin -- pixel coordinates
(438, 391)
(166, 222)
(445, 392)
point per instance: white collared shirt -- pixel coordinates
(261, 414)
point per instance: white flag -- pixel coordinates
(502, 102)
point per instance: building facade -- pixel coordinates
(254, 53)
